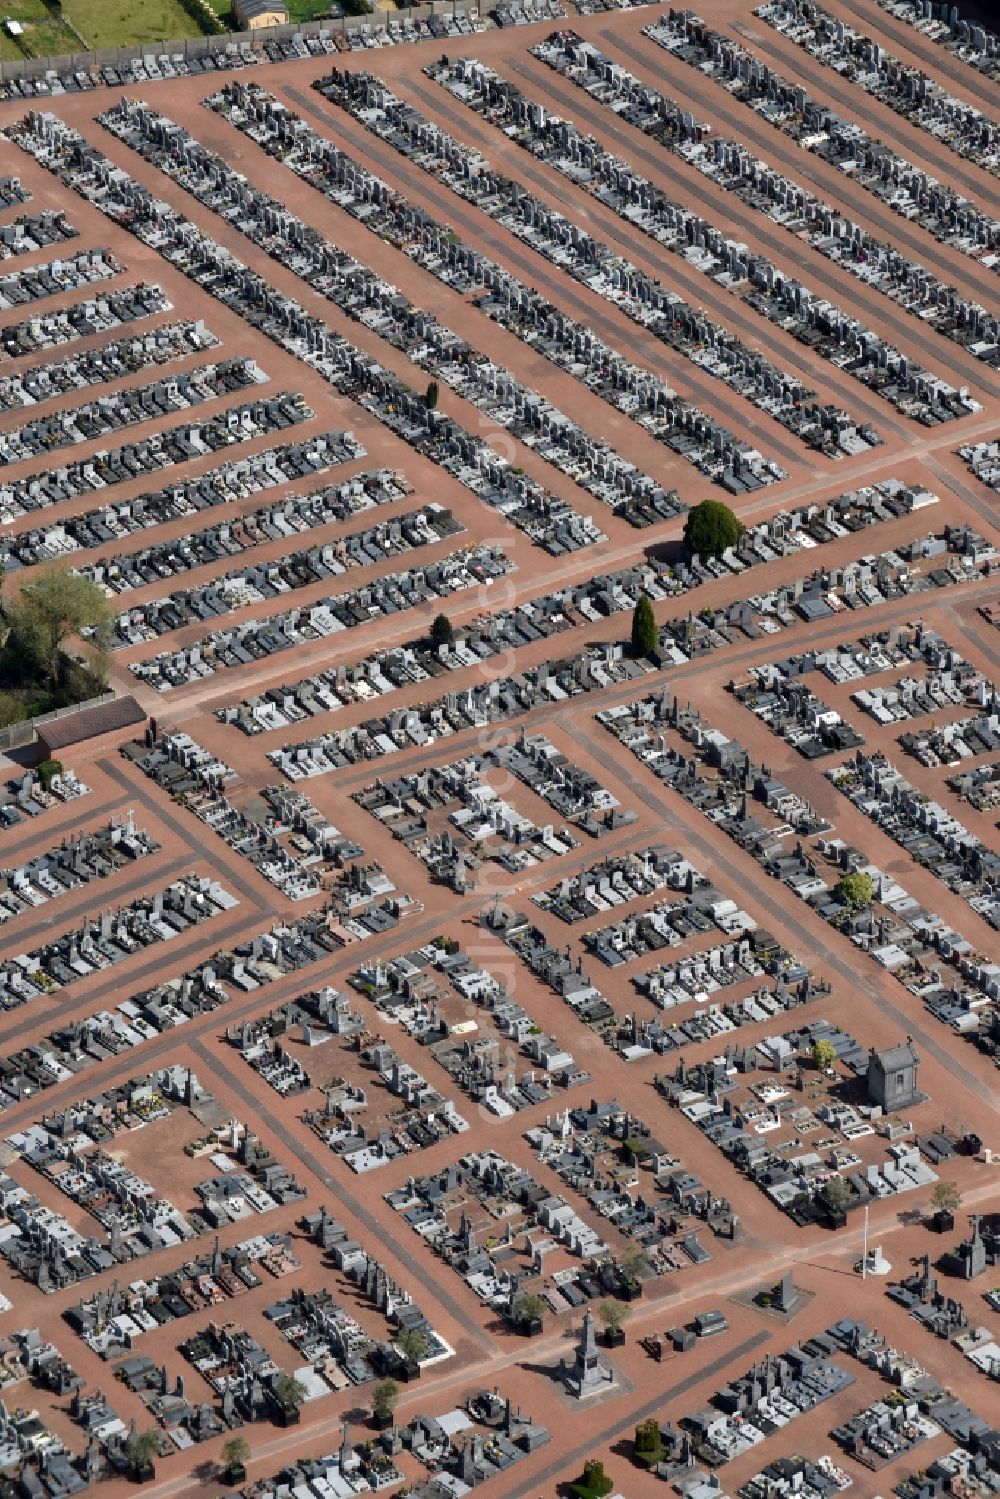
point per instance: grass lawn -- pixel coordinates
(120, 23)
(44, 33)
(305, 10)
(298, 10)
(116, 23)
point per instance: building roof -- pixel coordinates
(247, 9)
(897, 1056)
(103, 718)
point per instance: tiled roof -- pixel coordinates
(103, 718)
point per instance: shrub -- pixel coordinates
(47, 772)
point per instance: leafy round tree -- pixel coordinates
(824, 1054)
(235, 1454)
(855, 889)
(527, 1307)
(431, 395)
(53, 605)
(946, 1197)
(645, 634)
(836, 1194)
(710, 529)
(289, 1391)
(141, 1447)
(613, 1315)
(442, 632)
(412, 1344)
(633, 1264)
(384, 1397)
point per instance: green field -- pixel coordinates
(306, 10)
(104, 23)
(120, 23)
(116, 23)
(44, 33)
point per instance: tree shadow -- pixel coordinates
(666, 551)
(499, 1327)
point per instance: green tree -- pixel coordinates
(288, 1390)
(946, 1197)
(442, 632)
(710, 529)
(633, 1265)
(824, 1054)
(645, 634)
(594, 1483)
(431, 395)
(856, 889)
(141, 1447)
(613, 1315)
(52, 606)
(836, 1194)
(412, 1344)
(384, 1397)
(527, 1307)
(235, 1454)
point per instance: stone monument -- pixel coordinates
(589, 1375)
